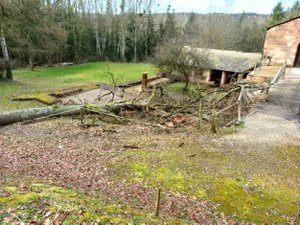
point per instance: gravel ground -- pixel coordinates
(273, 123)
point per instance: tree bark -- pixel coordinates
(9, 74)
(31, 114)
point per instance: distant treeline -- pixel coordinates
(51, 31)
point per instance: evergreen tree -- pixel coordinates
(161, 32)
(51, 31)
(191, 29)
(151, 37)
(294, 11)
(278, 14)
(170, 28)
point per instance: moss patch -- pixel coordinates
(41, 97)
(51, 97)
(42, 203)
(251, 202)
(241, 184)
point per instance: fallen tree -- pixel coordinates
(32, 114)
(159, 104)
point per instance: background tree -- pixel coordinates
(53, 31)
(173, 58)
(4, 13)
(278, 14)
(294, 11)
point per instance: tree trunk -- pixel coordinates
(187, 81)
(31, 65)
(9, 74)
(98, 46)
(97, 36)
(135, 43)
(31, 114)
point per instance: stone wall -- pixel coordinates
(282, 42)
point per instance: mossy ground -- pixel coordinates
(246, 186)
(260, 186)
(41, 203)
(50, 97)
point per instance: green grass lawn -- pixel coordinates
(51, 79)
(179, 87)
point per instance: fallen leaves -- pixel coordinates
(61, 151)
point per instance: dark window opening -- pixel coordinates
(216, 76)
(297, 58)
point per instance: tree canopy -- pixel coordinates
(52, 31)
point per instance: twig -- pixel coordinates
(213, 122)
(117, 118)
(227, 108)
(111, 75)
(158, 202)
(200, 113)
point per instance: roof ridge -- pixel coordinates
(283, 22)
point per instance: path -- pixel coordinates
(274, 122)
(104, 93)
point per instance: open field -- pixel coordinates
(52, 79)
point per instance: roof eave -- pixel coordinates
(283, 22)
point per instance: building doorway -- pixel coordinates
(297, 58)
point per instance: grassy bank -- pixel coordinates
(52, 79)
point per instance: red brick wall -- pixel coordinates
(282, 42)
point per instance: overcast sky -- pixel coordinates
(227, 6)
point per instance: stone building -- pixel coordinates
(282, 43)
(225, 66)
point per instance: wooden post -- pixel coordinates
(239, 111)
(209, 76)
(82, 116)
(158, 202)
(240, 76)
(223, 79)
(213, 122)
(200, 113)
(145, 81)
(240, 104)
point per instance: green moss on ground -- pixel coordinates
(240, 184)
(40, 97)
(41, 203)
(51, 97)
